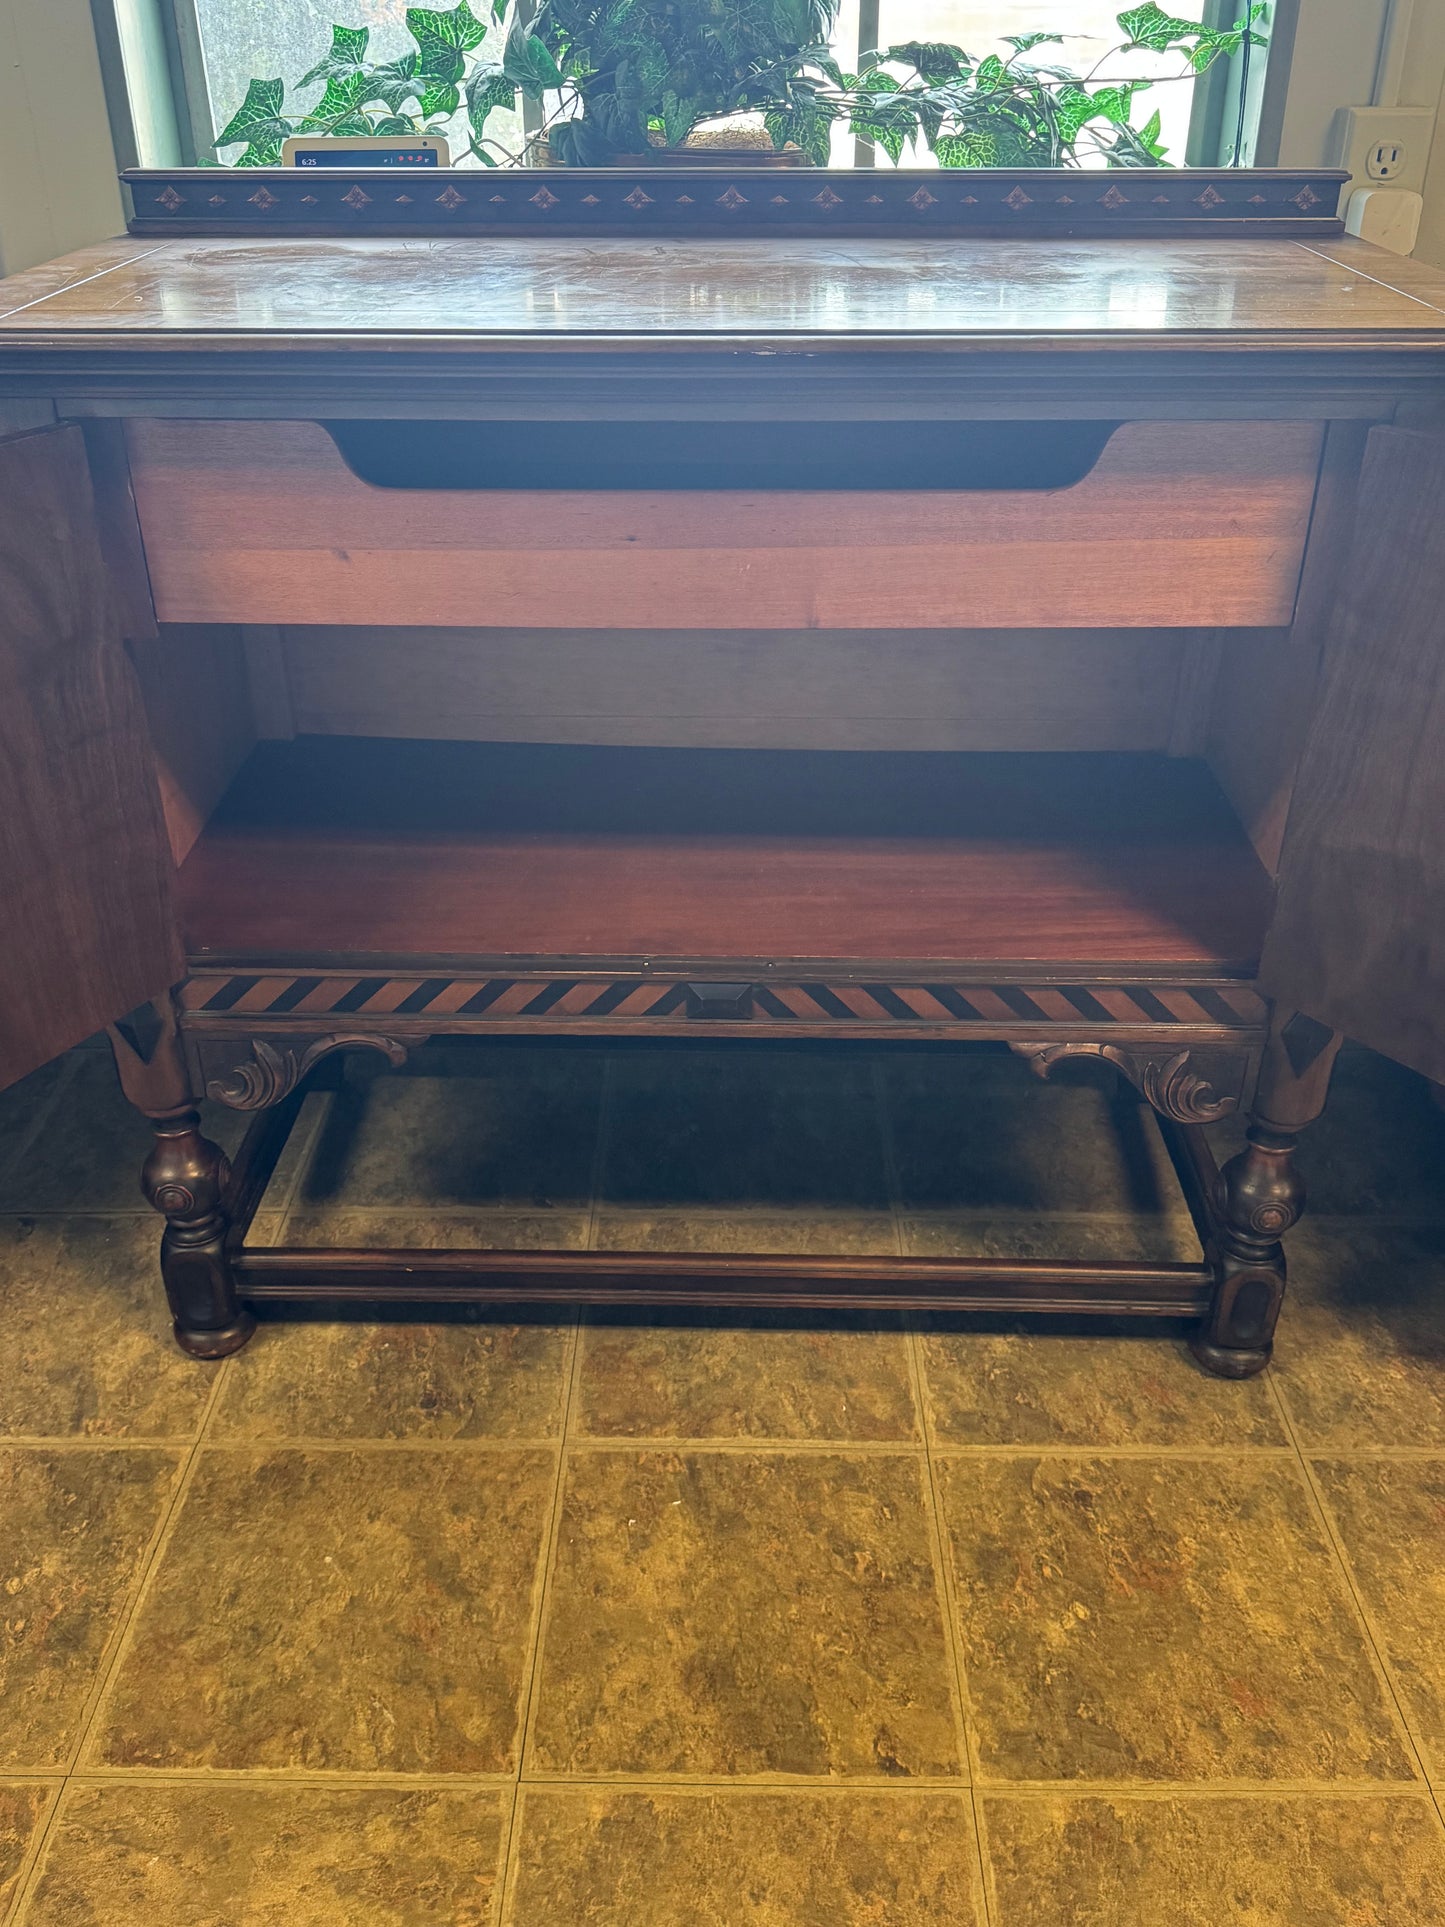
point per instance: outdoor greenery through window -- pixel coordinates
(953, 83)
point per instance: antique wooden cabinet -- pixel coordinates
(1033, 641)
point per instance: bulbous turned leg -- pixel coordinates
(185, 1179)
(1261, 1198)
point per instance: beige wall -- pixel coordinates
(57, 167)
(1425, 62)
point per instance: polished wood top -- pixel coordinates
(954, 295)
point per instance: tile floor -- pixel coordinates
(689, 1624)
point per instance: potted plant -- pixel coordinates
(638, 81)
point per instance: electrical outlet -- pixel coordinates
(1389, 146)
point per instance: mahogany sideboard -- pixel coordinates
(1032, 642)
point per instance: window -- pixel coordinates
(182, 96)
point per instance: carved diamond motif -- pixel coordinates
(263, 198)
(638, 199)
(1161, 200)
(1017, 199)
(356, 197)
(1257, 200)
(780, 200)
(1209, 198)
(590, 200)
(216, 200)
(684, 200)
(730, 199)
(544, 198)
(827, 200)
(403, 200)
(170, 200)
(922, 199)
(449, 198)
(874, 200)
(1113, 199)
(1305, 199)
(1065, 200)
(308, 200)
(499, 200)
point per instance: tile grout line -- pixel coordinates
(30, 1859)
(953, 1634)
(1365, 1619)
(532, 1669)
(37, 1125)
(111, 1659)
(883, 1122)
(599, 1158)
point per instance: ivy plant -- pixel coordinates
(619, 77)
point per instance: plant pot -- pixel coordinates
(539, 154)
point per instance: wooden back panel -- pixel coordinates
(1180, 524)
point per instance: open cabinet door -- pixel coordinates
(86, 931)
(1358, 939)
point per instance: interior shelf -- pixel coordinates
(347, 848)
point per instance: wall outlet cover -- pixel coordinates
(1384, 146)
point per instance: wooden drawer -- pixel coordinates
(1179, 524)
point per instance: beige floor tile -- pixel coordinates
(74, 1528)
(359, 1227)
(86, 1334)
(772, 1376)
(1390, 1514)
(1087, 1388)
(1360, 1353)
(337, 1610)
(979, 1132)
(397, 1381)
(1159, 1619)
(746, 1859)
(1260, 1861)
(717, 1129)
(744, 1613)
(90, 1155)
(232, 1855)
(1155, 1239)
(808, 1230)
(23, 1805)
(487, 1126)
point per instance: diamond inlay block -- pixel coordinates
(170, 200)
(1113, 199)
(544, 198)
(449, 199)
(1018, 199)
(922, 199)
(827, 200)
(638, 198)
(1305, 199)
(590, 200)
(1209, 198)
(356, 197)
(730, 199)
(263, 198)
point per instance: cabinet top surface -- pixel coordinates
(214, 295)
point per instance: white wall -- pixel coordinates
(57, 167)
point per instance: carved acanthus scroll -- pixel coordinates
(1174, 1085)
(271, 1071)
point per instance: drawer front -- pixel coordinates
(1179, 524)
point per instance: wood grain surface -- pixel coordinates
(1189, 524)
(1358, 940)
(231, 294)
(334, 846)
(84, 868)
